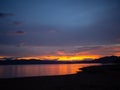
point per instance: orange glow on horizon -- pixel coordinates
(1, 56)
(62, 57)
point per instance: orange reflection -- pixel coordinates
(40, 70)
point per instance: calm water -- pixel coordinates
(9, 71)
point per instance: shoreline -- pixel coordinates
(91, 78)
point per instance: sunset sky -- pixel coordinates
(59, 29)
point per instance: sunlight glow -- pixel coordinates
(61, 57)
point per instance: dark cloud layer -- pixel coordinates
(59, 23)
(3, 15)
(19, 32)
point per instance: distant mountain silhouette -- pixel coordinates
(103, 60)
(108, 59)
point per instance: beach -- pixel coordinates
(91, 78)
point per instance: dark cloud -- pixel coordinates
(3, 15)
(7, 33)
(19, 32)
(87, 48)
(102, 50)
(17, 22)
(16, 33)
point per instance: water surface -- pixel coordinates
(11, 71)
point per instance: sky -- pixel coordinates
(59, 29)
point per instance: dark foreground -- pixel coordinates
(92, 78)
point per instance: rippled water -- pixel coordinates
(10, 71)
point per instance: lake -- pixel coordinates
(12, 71)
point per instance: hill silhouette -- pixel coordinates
(108, 59)
(103, 60)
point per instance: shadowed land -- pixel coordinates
(91, 78)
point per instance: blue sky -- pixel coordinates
(57, 23)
